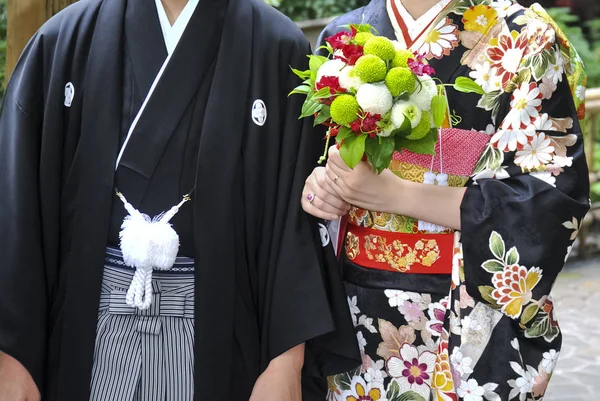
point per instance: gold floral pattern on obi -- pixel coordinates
(397, 255)
(352, 246)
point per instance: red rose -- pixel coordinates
(341, 39)
(355, 126)
(332, 82)
(351, 54)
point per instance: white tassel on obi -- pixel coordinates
(147, 244)
(440, 179)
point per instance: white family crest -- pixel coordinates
(325, 238)
(69, 94)
(259, 112)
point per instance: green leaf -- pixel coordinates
(512, 256)
(323, 93)
(439, 108)
(467, 85)
(301, 74)
(380, 152)
(529, 313)
(492, 266)
(322, 116)
(393, 391)
(540, 326)
(410, 396)
(425, 146)
(315, 62)
(497, 245)
(301, 90)
(404, 130)
(486, 294)
(353, 150)
(310, 107)
(345, 133)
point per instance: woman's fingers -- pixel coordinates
(321, 201)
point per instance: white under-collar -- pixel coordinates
(415, 27)
(173, 33)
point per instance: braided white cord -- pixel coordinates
(139, 294)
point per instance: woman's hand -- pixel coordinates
(282, 380)
(389, 193)
(362, 186)
(326, 203)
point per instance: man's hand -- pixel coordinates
(16, 384)
(282, 379)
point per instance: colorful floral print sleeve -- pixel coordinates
(488, 330)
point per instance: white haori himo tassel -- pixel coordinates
(430, 178)
(147, 244)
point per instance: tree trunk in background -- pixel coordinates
(25, 17)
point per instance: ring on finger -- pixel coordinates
(311, 198)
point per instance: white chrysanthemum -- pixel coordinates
(348, 80)
(374, 98)
(402, 110)
(424, 93)
(331, 68)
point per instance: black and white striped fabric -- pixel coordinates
(145, 355)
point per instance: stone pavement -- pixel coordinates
(577, 298)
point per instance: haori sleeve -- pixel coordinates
(525, 207)
(28, 210)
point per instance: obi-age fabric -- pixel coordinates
(487, 331)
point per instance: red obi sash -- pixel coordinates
(400, 252)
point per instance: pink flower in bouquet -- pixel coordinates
(418, 66)
(332, 82)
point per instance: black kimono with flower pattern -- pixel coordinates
(489, 331)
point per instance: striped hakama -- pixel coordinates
(145, 355)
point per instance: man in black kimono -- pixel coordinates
(192, 102)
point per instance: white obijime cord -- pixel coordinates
(440, 179)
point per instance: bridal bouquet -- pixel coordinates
(374, 97)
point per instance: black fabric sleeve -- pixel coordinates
(517, 232)
(27, 211)
(301, 297)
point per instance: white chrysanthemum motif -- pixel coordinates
(536, 153)
(348, 80)
(424, 93)
(403, 109)
(374, 98)
(331, 68)
(486, 76)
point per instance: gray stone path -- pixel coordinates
(577, 298)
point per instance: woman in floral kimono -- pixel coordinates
(449, 284)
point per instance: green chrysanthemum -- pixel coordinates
(380, 47)
(400, 80)
(362, 38)
(344, 109)
(421, 130)
(370, 69)
(401, 58)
